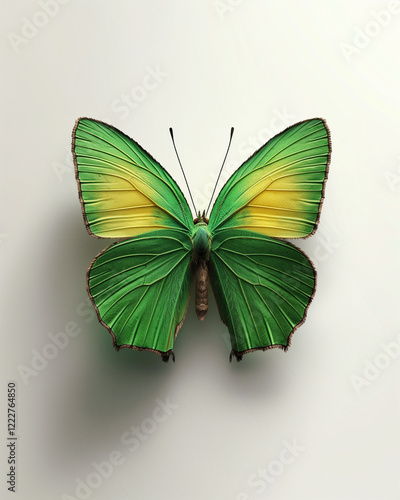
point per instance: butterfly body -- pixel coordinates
(140, 286)
(201, 240)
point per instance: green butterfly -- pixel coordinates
(140, 286)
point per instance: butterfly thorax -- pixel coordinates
(201, 240)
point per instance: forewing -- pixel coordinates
(123, 190)
(279, 190)
(262, 286)
(140, 288)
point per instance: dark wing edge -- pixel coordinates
(76, 170)
(328, 163)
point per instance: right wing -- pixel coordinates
(263, 288)
(279, 190)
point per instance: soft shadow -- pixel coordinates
(96, 391)
(259, 375)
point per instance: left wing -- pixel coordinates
(263, 287)
(140, 288)
(123, 190)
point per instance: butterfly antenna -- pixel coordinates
(220, 171)
(183, 172)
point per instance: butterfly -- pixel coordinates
(140, 286)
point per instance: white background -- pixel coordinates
(258, 66)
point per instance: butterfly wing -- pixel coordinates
(140, 288)
(279, 190)
(263, 287)
(123, 190)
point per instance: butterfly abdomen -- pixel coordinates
(201, 240)
(201, 290)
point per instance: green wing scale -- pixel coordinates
(140, 286)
